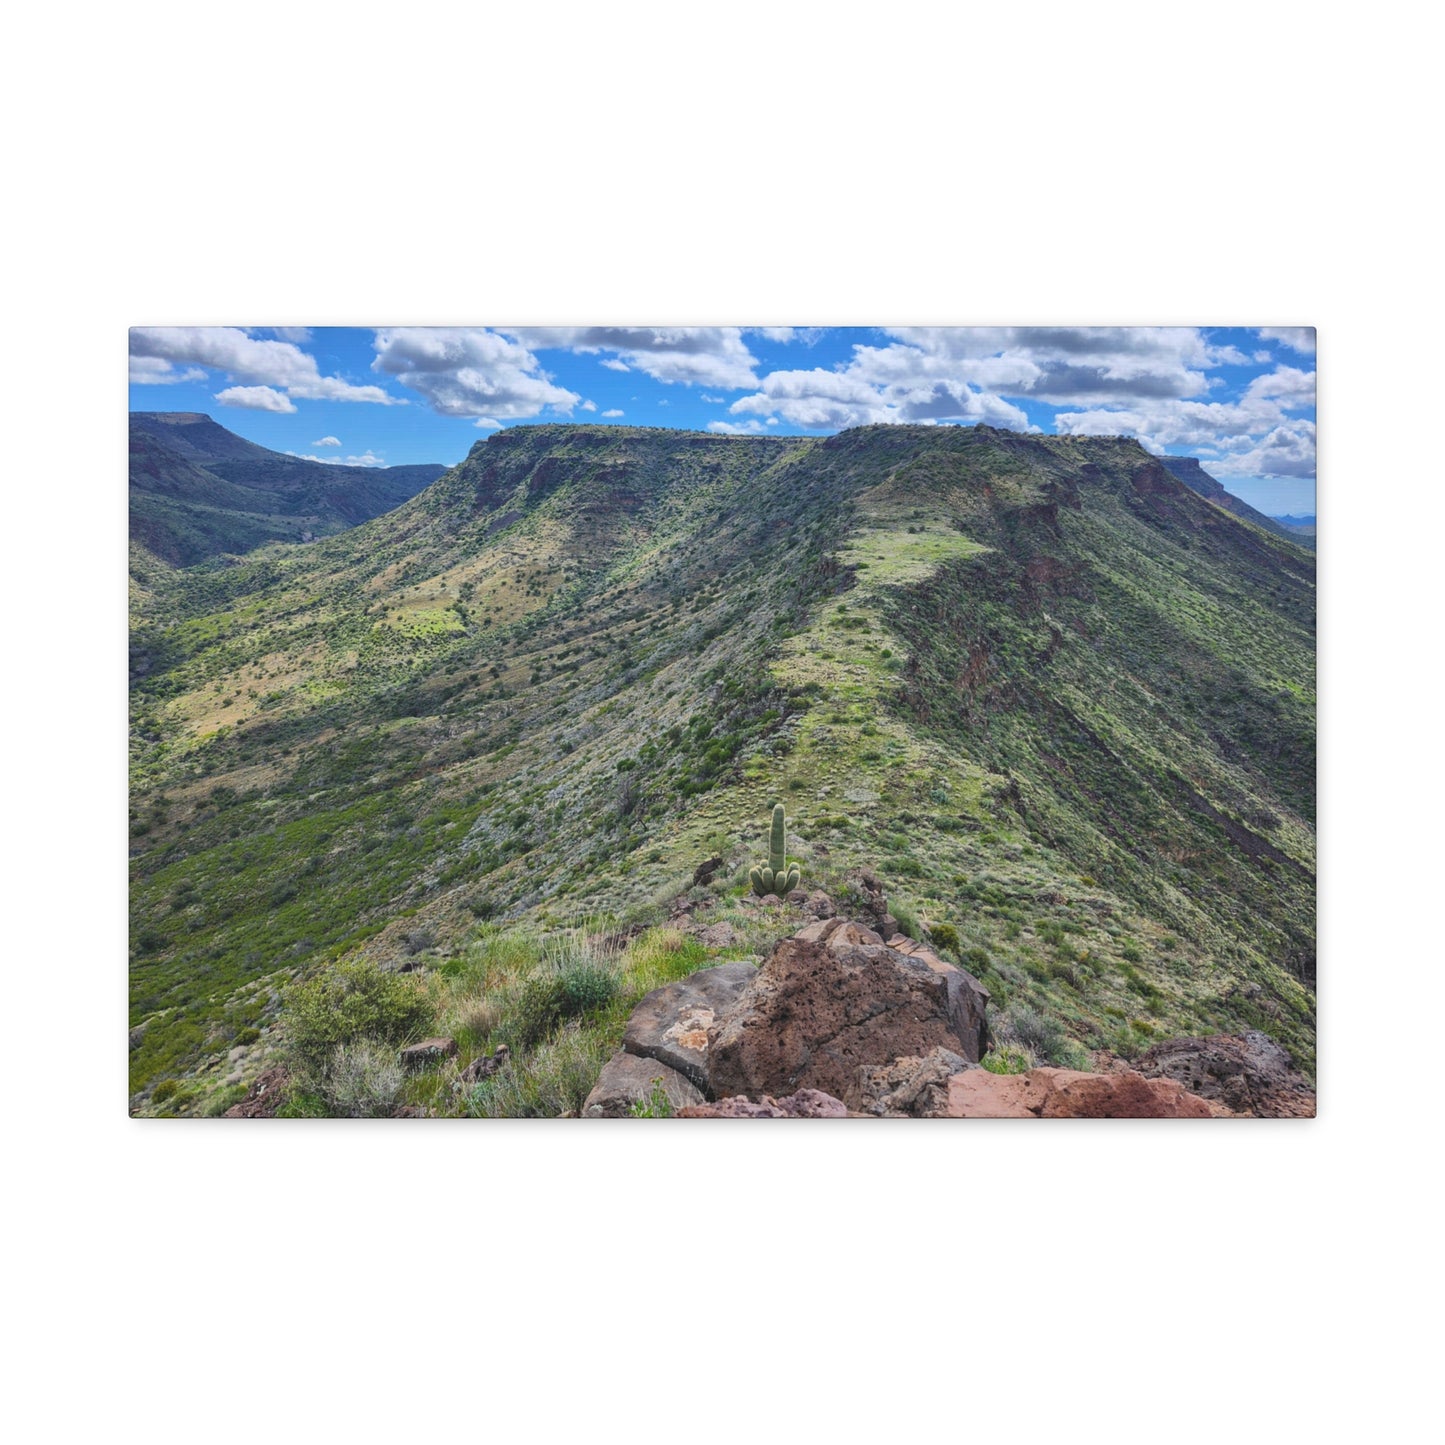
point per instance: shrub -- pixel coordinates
(579, 986)
(362, 1080)
(1043, 1037)
(944, 935)
(554, 1080)
(248, 1035)
(166, 1089)
(1010, 1059)
(351, 1001)
(906, 918)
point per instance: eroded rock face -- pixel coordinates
(833, 999)
(906, 1088)
(1247, 1073)
(1069, 1094)
(805, 1104)
(671, 1024)
(628, 1079)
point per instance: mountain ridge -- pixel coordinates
(1052, 695)
(199, 492)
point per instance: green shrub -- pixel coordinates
(906, 918)
(247, 1035)
(655, 1106)
(351, 1001)
(1010, 1059)
(549, 998)
(944, 935)
(166, 1089)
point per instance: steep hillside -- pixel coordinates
(1192, 474)
(1056, 700)
(197, 491)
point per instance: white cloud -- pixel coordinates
(588, 406)
(694, 355)
(277, 364)
(715, 400)
(327, 442)
(1292, 388)
(156, 371)
(256, 398)
(751, 427)
(612, 364)
(1297, 338)
(1287, 451)
(368, 458)
(612, 411)
(819, 400)
(465, 371)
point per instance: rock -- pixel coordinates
(805, 1104)
(702, 875)
(1069, 1094)
(717, 935)
(1247, 1073)
(797, 897)
(820, 905)
(627, 1079)
(265, 1095)
(428, 1051)
(820, 1007)
(912, 1087)
(837, 933)
(671, 1024)
(484, 1066)
(771, 900)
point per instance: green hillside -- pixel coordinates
(199, 492)
(1053, 698)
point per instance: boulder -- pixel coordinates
(671, 1024)
(822, 1006)
(1069, 1094)
(1246, 1073)
(484, 1066)
(428, 1051)
(717, 935)
(805, 1104)
(628, 1079)
(702, 875)
(820, 905)
(906, 1088)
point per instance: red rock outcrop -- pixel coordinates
(1069, 1094)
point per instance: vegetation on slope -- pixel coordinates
(1063, 706)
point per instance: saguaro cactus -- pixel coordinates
(777, 875)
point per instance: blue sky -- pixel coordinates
(1242, 400)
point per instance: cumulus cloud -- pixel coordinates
(327, 442)
(588, 406)
(368, 458)
(256, 398)
(281, 365)
(1297, 338)
(612, 411)
(751, 427)
(693, 355)
(819, 400)
(156, 371)
(469, 371)
(1286, 451)
(1292, 388)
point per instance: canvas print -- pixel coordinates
(722, 722)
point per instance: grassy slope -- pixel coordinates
(198, 492)
(1051, 695)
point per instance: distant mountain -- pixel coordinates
(198, 491)
(1304, 526)
(1189, 471)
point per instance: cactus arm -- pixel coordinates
(778, 841)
